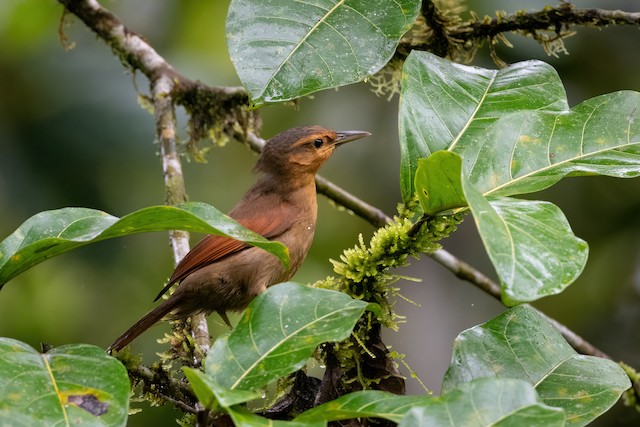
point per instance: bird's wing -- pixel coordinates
(213, 248)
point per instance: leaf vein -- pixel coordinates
(474, 113)
(45, 361)
(265, 355)
(304, 39)
(562, 163)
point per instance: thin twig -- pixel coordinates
(466, 272)
(168, 388)
(136, 54)
(175, 191)
(133, 51)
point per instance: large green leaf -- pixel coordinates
(521, 344)
(529, 151)
(51, 233)
(444, 105)
(285, 49)
(513, 127)
(74, 384)
(364, 404)
(486, 402)
(515, 134)
(278, 332)
(530, 243)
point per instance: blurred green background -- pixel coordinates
(72, 134)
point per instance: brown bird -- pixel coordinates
(222, 274)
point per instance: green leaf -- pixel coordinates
(211, 394)
(244, 418)
(515, 134)
(278, 333)
(202, 387)
(521, 344)
(74, 384)
(444, 105)
(51, 233)
(486, 402)
(284, 50)
(438, 182)
(530, 151)
(513, 127)
(364, 404)
(530, 244)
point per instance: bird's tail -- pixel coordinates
(149, 319)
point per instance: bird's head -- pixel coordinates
(302, 150)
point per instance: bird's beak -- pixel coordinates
(349, 135)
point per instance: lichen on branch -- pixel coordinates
(215, 115)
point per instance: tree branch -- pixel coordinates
(174, 391)
(462, 35)
(135, 53)
(437, 25)
(550, 18)
(175, 191)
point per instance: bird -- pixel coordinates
(221, 274)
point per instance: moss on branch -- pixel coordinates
(442, 31)
(364, 272)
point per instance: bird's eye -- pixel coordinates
(318, 143)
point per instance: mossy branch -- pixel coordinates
(437, 23)
(157, 384)
(447, 35)
(215, 111)
(365, 273)
(632, 396)
(549, 18)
